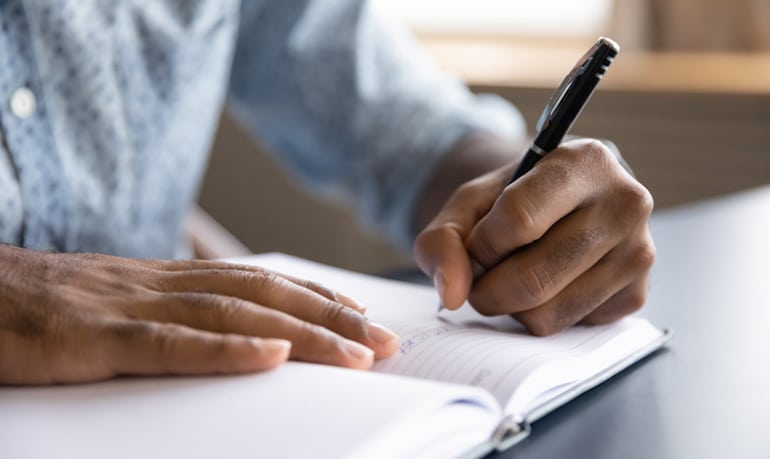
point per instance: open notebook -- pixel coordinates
(460, 385)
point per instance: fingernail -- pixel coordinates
(380, 334)
(439, 281)
(352, 302)
(358, 350)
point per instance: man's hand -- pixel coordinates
(78, 317)
(568, 242)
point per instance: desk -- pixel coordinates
(708, 393)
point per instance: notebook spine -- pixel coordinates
(509, 432)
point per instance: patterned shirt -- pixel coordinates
(108, 108)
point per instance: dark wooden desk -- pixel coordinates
(707, 394)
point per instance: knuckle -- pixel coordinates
(483, 248)
(267, 282)
(535, 285)
(484, 303)
(636, 299)
(346, 321)
(131, 331)
(637, 200)
(633, 298)
(522, 219)
(162, 338)
(643, 257)
(594, 151)
(594, 156)
(539, 322)
(196, 303)
(587, 155)
(312, 331)
(322, 290)
(314, 338)
(224, 310)
(334, 313)
(165, 343)
(628, 301)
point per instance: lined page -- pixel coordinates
(462, 346)
(496, 360)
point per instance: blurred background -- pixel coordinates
(687, 101)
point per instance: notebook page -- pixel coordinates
(462, 346)
(297, 410)
(499, 361)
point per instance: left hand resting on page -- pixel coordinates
(70, 317)
(568, 242)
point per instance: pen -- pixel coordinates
(567, 102)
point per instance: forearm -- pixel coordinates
(474, 155)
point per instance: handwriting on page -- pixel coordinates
(413, 341)
(452, 353)
(480, 356)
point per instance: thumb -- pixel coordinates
(440, 249)
(441, 254)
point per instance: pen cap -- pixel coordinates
(573, 94)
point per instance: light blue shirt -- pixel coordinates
(108, 108)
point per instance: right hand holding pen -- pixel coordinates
(568, 242)
(68, 318)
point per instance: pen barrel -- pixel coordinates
(529, 160)
(568, 102)
(576, 94)
(569, 110)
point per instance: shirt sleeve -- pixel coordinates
(347, 101)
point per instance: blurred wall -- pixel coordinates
(692, 25)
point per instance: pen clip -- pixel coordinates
(597, 59)
(561, 91)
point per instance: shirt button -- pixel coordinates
(23, 102)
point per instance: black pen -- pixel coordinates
(567, 102)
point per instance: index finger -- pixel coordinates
(272, 290)
(557, 185)
(214, 265)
